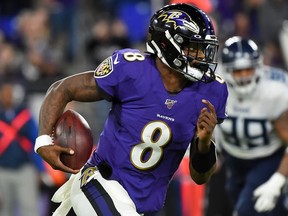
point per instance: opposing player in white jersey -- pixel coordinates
(254, 135)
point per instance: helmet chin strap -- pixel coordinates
(193, 74)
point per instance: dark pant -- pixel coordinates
(246, 175)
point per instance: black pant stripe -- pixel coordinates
(106, 197)
(93, 203)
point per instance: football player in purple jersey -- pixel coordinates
(162, 101)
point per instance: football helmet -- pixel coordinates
(237, 54)
(183, 37)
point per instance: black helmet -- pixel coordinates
(240, 53)
(182, 26)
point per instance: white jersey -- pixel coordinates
(276, 74)
(248, 133)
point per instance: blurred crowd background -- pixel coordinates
(44, 40)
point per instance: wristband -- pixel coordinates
(43, 140)
(204, 162)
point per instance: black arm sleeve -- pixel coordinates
(203, 162)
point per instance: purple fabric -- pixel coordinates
(139, 100)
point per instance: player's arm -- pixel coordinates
(281, 127)
(202, 152)
(80, 87)
(267, 194)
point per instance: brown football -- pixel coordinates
(73, 131)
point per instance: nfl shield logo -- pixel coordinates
(170, 103)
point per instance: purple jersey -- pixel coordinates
(148, 130)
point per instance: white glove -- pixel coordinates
(268, 193)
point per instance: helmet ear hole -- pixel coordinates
(163, 46)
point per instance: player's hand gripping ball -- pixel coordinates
(73, 131)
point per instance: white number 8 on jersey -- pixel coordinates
(155, 136)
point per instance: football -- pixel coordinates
(73, 131)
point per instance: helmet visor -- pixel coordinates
(202, 51)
